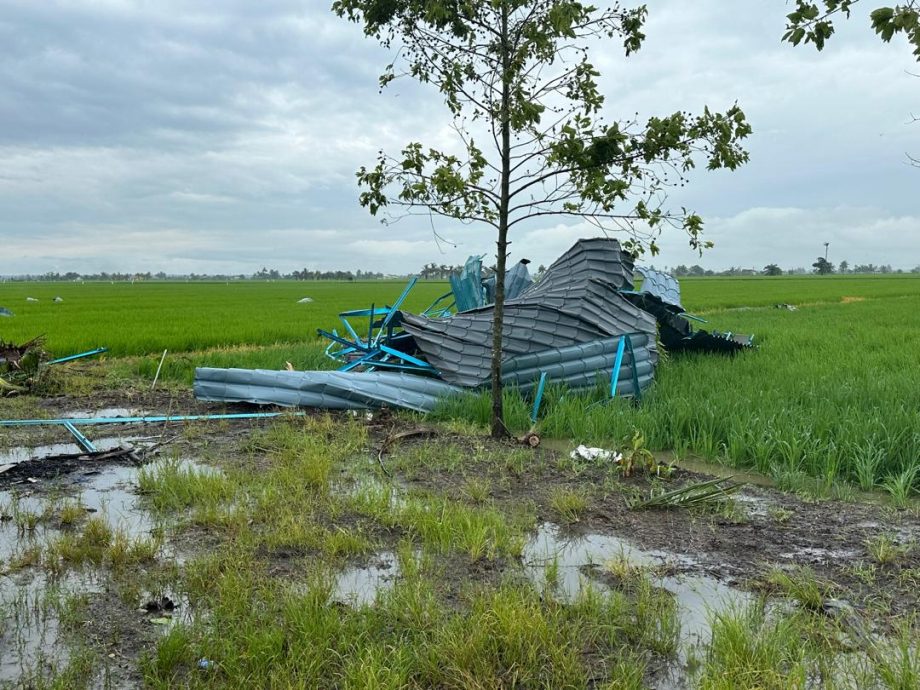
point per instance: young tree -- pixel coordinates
(516, 74)
(844, 267)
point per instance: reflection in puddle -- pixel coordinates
(697, 596)
(31, 600)
(360, 586)
(14, 456)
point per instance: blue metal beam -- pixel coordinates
(83, 442)
(70, 358)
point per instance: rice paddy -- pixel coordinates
(831, 395)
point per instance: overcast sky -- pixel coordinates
(223, 135)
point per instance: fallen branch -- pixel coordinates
(711, 491)
(394, 438)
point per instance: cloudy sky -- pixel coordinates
(223, 135)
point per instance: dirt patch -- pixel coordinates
(765, 528)
(851, 300)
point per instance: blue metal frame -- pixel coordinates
(82, 441)
(382, 347)
(617, 365)
(538, 398)
(70, 358)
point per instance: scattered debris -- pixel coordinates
(81, 355)
(31, 299)
(20, 365)
(58, 299)
(710, 491)
(305, 300)
(591, 454)
(6, 312)
(159, 369)
(395, 438)
(787, 307)
(49, 466)
(164, 603)
(582, 322)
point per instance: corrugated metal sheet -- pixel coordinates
(577, 366)
(467, 287)
(576, 302)
(517, 279)
(661, 285)
(331, 390)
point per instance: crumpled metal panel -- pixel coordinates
(584, 365)
(661, 285)
(576, 302)
(578, 366)
(596, 257)
(517, 279)
(467, 287)
(331, 390)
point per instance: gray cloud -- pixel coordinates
(224, 135)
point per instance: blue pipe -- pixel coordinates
(84, 442)
(70, 358)
(617, 363)
(538, 399)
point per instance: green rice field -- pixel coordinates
(831, 393)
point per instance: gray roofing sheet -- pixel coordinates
(576, 366)
(575, 302)
(334, 390)
(661, 285)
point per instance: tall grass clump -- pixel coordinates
(748, 650)
(174, 485)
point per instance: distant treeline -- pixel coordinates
(263, 274)
(821, 267)
(441, 272)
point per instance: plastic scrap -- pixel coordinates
(6, 312)
(585, 453)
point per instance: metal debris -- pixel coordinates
(582, 324)
(660, 296)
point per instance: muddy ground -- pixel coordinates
(703, 556)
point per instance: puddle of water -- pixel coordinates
(13, 456)
(697, 596)
(31, 639)
(361, 586)
(107, 493)
(814, 554)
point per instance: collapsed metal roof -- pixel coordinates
(580, 324)
(577, 301)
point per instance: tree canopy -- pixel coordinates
(516, 75)
(813, 22)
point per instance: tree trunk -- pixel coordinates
(498, 415)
